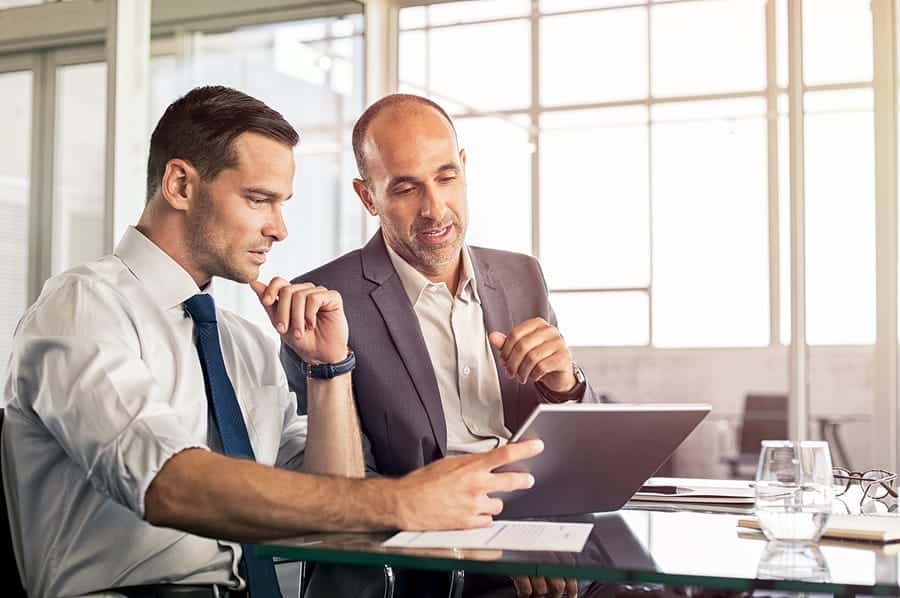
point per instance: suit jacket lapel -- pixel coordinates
(403, 326)
(495, 308)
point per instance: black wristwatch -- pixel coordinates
(327, 371)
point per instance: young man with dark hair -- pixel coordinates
(150, 437)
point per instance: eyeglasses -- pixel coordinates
(875, 483)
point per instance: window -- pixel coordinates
(80, 165)
(15, 190)
(640, 141)
(311, 71)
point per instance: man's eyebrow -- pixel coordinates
(411, 179)
(402, 179)
(267, 193)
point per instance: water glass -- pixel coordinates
(793, 490)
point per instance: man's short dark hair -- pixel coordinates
(362, 125)
(201, 126)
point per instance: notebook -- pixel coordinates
(867, 528)
(695, 490)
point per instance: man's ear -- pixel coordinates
(365, 196)
(462, 157)
(179, 183)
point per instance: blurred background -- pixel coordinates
(710, 185)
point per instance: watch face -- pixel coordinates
(579, 374)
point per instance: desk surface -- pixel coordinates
(637, 544)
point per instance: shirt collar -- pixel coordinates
(165, 280)
(414, 282)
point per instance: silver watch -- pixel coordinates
(579, 373)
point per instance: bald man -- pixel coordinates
(455, 344)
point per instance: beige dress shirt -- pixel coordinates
(453, 327)
(104, 387)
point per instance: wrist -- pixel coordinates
(327, 357)
(388, 495)
(328, 370)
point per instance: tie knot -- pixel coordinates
(202, 308)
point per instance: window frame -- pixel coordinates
(771, 92)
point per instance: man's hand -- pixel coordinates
(310, 319)
(535, 350)
(452, 493)
(545, 586)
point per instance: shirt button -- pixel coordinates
(466, 370)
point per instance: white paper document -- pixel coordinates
(502, 535)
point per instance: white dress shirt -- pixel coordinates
(104, 387)
(453, 327)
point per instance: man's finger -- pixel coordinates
(522, 585)
(297, 324)
(321, 300)
(258, 287)
(497, 339)
(539, 356)
(527, 344)
(286, 296)
(489, 505)
(273, 290)
(512, 452)
(509, 481)
(539, 585)
(520, 331)
(572, 588)
(555, 587)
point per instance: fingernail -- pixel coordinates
(530, 480)
(298, 334)
(280, 327)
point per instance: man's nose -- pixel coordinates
(276, 229)
(434, 205)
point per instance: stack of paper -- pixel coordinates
(867, 528)
(695, 490)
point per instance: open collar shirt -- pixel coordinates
(104, 387)
(454, 332)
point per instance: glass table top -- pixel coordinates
(639, 544)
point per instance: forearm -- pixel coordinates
(334, 445)
(231, 499)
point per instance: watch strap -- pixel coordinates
(327, 371)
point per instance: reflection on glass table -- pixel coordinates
(634, 546)
(803, 563)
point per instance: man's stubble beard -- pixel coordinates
(208, 251)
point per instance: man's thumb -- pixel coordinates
(497, 339)
(258, 287)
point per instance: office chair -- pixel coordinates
(13, 585)
(765, 417)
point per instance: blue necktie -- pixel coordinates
(259, 571)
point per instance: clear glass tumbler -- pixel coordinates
(793, 490)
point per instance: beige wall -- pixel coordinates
(840, 384)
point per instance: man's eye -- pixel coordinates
(404, 191)
(447, 179)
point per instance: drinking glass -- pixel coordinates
(793, 490)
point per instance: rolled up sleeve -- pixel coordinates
(80, 371)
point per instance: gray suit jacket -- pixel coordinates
(396, 391)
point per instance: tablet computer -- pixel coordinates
(596, 456)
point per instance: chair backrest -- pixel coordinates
(765, 418)
(12, 584)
